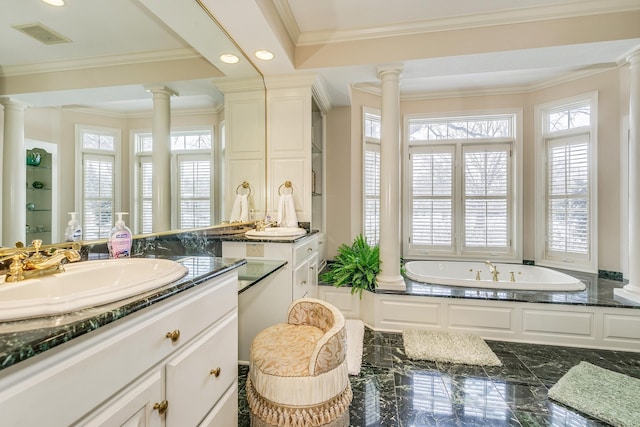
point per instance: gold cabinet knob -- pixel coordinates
(175, 335)
(161, 407)
(215, 372)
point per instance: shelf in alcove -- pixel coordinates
(38, 210)
(39, 232)
(35, 168)
(38, 189)
(316, 194)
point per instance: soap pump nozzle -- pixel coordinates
(73, 233)
(119, 221)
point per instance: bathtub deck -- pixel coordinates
(593, 318)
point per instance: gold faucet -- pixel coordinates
(493, 270)
(25, 266)
(261, 225)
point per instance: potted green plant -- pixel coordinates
(356, 265)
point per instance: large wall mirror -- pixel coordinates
(87, 71)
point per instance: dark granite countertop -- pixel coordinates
(22, 339)
(598, 292)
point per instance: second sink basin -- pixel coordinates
(278, 233)
(85, 284)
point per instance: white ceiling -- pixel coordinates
(123, 30)
(333, 21)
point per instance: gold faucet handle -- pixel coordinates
(37, 243)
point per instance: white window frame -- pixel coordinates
(542, 137)
(515, 200)
(136, 200)
(81, 152)
(369, 144)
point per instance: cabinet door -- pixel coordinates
(199, 375)
(132, 407)
(301, 283)
(313, 275)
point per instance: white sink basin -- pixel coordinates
(276, 233)
(85, 284)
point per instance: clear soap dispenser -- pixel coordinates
(73, 232)
(119, 241)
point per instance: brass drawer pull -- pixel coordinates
(215, 372)
(161, 407)
(175, 335)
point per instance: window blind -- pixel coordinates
(194, 180)
(568, 195)
(432, 197)
(98, 195)
(486, 185)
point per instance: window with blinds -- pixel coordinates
(371, 202)
(191, 179)
(98, 184)
(145, 191)
(568, 182)
(432, 197)
(194, 180)
(461, 186)
(486, 197)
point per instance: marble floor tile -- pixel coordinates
(392, 390)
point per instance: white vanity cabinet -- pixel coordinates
(171, 364)
(300, 273)
(266, 303)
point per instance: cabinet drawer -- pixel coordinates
(305, 249)
(200, 374)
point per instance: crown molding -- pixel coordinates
(288, 19)
(101, 61)
(375, 89)
(511, 16)
(283, 81)
(239, 85)
(321, 96)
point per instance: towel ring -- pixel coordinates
(244, 185)
(286, 184)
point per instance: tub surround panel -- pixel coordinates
(480, 317)
(562, 323)
(621, 327)
(593, 318)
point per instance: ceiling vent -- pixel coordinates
(42, 33)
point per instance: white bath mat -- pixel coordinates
(450, 347)
(609, 396)
(355, 334)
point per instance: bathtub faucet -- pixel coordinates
(493, 270)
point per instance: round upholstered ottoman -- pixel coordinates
(298, 370)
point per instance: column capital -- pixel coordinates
(161, 90)
(633, 57)
(10, 103)
(390, 70)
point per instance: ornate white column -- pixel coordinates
(161, 159)
(14, 175)
(390, 197)
(632, 290)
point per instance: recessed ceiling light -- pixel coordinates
(54, 2)
(265, 55)
(229, 58)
